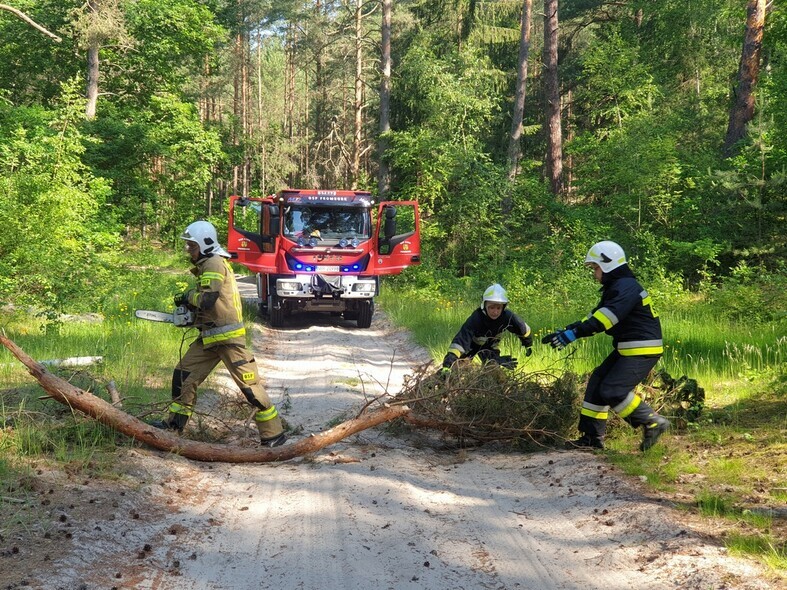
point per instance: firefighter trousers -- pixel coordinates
(611, 386)
(196, 365)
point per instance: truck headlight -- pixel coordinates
(289, 286)
(363, 286)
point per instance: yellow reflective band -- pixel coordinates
(216, 276)
(247, 376)
(193, 297)
(265, 415)
(455, 351)
(236, 302)
(605, 321)
(225, 336)
(176, 408)
(643, 351)
(646, 302)
(593, 414)
(633, 405)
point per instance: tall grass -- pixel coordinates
(700, 345)
(739, 444)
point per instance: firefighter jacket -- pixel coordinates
(480, 332)
(625, 313)
(216, 300)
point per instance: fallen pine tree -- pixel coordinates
(485, 403)
(95, 407)
(478, 403)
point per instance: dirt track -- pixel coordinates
(376, 511)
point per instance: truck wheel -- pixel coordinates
(365, 313)
(277, 313)
(262, 295)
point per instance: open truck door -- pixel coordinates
(253, 230)
(398, 236)
(254, 226)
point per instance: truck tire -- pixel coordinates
(276, 314)
(365, 313)
(262, 295)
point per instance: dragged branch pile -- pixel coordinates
(488, 403)
(682, 400)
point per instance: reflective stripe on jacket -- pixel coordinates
(222, 322)
(625, 313)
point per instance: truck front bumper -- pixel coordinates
(322, 286)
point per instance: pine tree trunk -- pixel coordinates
(554, 156)
(742, 111)
(91, 92)
(358, 97)
(515, 136)
(383, 172)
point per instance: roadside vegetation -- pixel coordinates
(729, 465)
(188, 102)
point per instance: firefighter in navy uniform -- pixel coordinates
(481, 333)
(217, 304)
(625, 313)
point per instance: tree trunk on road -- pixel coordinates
(98, 409)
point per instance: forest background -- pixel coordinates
(660, 125)
(527, 130)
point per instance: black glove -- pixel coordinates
(527, 343)
(181, 298)
(559, 339)
(449, 360)
(507, 362)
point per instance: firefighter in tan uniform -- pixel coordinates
(216, 302)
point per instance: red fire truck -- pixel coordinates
(322, 250)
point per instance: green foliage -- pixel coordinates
(50, 208)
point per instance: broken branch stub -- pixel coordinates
(98, 409)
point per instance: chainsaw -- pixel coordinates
(182, 316)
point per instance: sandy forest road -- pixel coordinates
(378, 511)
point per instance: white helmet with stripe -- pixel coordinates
(204, 235)
(608, 255)
(494, 294)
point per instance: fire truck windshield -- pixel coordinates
(329, 223)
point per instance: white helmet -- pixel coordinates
(204, 235)
(608, 255)
(495, 294)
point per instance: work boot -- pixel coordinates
(585, 442)
(274, 441)
(652, 431)
(165, 425)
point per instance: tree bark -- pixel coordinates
(355, 166)
(515, 136)
(91, 90)
(742, 111)
(554, 156)
(30, 21)
(98, 409)
(383, 171)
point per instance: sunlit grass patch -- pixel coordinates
(770, 550)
